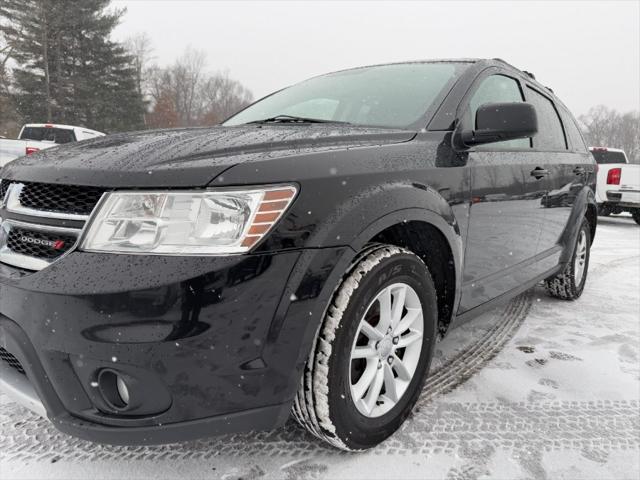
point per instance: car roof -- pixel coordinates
(480, 62)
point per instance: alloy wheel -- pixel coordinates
(580, 259)
(386, 350)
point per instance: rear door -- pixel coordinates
(568, 165)
(505, 216)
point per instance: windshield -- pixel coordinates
(48, 134)
(393, 96)
(606, 156)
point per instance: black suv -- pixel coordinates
(302, 257)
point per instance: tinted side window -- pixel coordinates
(550, 134)
(497, 89)
(573, 132)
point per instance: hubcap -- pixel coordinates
(386, 350)
(580, 259)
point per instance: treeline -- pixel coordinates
(606, 127)
(59, 64)
(184, 94)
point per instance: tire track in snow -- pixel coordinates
(596, 426)
(464, 365)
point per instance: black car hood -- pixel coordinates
(186, 157)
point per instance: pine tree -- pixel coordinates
(67, 68)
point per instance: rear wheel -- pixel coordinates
(569, 284)
(604, 211)
(372, 351)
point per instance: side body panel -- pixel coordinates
(569, 173)
(504, 228)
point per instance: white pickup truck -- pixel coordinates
(38, 136)
(618, 188)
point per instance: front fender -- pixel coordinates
(360, 217)
(354, 223)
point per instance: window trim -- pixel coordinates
(555, 108)
(465, 104)
(566, 114)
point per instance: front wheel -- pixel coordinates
(569, 283)
(372, 352)
(636, 215)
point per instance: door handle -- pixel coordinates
(539, 172)
(579, 170)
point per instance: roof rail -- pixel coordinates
(529, 74)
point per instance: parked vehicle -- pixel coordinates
(618, 188)
(38, 136)
(304, 256)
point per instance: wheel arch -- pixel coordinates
(437, 242)
(584, 207)
(320, 270)
(592, 217)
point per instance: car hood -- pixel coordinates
(186, 157)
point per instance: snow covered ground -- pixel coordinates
(539, 388)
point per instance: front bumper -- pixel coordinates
(207, 345)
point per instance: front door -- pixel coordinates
(505, 220)
(505, 215)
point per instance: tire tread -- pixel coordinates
(563, 285)
(311, 404)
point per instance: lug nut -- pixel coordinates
(379, 364)
(390, 360)
(396, 340)
(389, 330)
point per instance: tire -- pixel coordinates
(326, 403)
(604, 211)
(636, 215)
(569, 284)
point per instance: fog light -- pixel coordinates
(114, 389)
(123, 391)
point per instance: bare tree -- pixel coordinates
(187, 77)
(140, 49)
(222, 97)
(603, 126)
(183, 94)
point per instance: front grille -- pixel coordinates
(68, 199)
(12, 361)
(27, 241)
(46, 245)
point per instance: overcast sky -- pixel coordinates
(587, 51)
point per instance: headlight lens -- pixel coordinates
(186, 223)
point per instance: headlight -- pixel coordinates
(206, 222)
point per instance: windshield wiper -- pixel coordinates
(294, 119)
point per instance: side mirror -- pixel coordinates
(496, 122)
